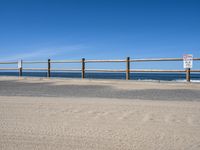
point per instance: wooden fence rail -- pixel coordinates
(83, 69)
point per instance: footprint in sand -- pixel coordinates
(193, 121)
(98, 114)
(190, 121)
(94, 114)
(171, 119)
(125, 115)
(167, 118)
(148, 117)
(195, 146)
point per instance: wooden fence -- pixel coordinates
(83, 69)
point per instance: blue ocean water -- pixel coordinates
(133, 76)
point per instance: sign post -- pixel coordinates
(20, 67)
(187, 64)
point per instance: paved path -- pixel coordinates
(14, 87)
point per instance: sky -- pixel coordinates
(99, 29)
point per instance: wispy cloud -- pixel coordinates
(45, 53)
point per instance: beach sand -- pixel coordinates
(97, 123)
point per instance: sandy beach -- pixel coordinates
(56, 114)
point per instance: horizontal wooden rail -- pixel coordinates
(149, 70)
(38, 69)
(65, 69)
(143, 70)
(194, 70)
(8, 62)
(65, 61)
(100, 61)
(52, 69)
(103, 61)
(8, 68)
(104, 70)
(34, 62)
(160, 59)
(100, 70)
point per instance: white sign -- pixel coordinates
(19, 64)
(187, 61)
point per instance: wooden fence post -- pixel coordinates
(188, 74)
(127, 68)
(83, 68)
(20, 67)
(49, 68)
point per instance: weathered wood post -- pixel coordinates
(127, 68)
(49, 68)
(20, 67)
(188, 74)
(83, 68)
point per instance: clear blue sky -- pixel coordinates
(114, 29)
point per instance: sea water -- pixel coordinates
(179, 77)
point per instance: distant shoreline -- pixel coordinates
(101, 79)
(153, 77)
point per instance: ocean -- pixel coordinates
(179, 77)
